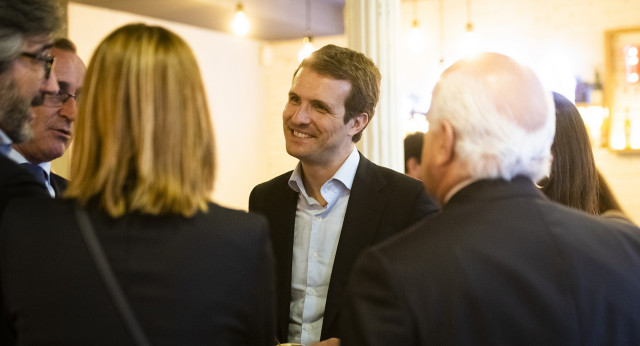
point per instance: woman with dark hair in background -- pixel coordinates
(574, 179)
(142, 168)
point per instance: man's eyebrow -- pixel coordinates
(45, 47)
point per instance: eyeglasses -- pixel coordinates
(59, 98)
(47, 60)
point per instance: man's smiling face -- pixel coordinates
(313, 119)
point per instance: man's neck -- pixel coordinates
(314, 176)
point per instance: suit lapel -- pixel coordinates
(364, 210)
(58, 183)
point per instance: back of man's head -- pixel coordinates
(24, 18)
(503, 118)
(347, 64)
(413, 148)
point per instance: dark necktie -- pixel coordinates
(37, 171)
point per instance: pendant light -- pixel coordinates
(240, 22)
(307, 42)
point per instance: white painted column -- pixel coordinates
(371, 27)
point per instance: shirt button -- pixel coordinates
(314, 255)
(307, 327)
(319, 218)
(311, 292)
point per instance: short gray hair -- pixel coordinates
(23, 18)
(489, 141)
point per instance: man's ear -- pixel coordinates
(360, 121)
(413, 168)
(446, 143)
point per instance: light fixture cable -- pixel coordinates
(307, 44)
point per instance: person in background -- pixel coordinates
(413, 154)
(335, 203)
(142, 170)
(25, 77)
(26, 27)
(574, 179)
(54, 120)
(501, 264)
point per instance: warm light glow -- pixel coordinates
(416, 37)
(593, 117)
(632, 60)
(624, 134)
(632, 51)
(307, 48)
(240, 23)
(469, 44)
(632, 77)
(414, 124)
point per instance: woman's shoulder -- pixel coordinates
(236, 215)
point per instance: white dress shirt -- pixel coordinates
(316, 235)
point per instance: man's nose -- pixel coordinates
(69, 109)
(301, 115)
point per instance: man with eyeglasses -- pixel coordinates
(54, 120)
(25, 77)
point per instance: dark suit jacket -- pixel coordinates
(382, 202)
(16, 182)
(501, 265)
(58, 183)
(204, 280)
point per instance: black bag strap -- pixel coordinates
(110, 281)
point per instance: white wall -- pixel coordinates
(560, 39)
(248, 80)
(234, 82)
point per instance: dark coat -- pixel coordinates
(382, 203)
(501, 265)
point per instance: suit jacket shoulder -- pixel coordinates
(563, 276)
(16, 182)
(202, 280)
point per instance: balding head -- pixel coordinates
(501, 117)
(514, 89)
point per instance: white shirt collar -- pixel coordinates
(4, 139)
(461, 185)
(345, 174)
(17, 157)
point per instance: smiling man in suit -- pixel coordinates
(53, 121)
(335, 203)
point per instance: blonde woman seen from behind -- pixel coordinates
(143, 164)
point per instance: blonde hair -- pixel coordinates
(144, 139)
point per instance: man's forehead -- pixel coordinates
(38, 43)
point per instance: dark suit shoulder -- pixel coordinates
(275, 183)
(16, 182)
(264, 194)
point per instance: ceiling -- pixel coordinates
(270, 19)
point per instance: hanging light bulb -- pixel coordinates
(307, 46)
(416, 36)
(469, 44)
(306, 49)
(240, 23)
